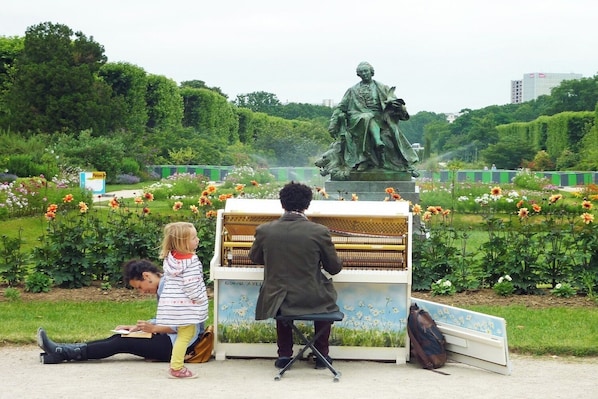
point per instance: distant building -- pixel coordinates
(328, 103)
(516, 91)
(536, 84)
(450, 117)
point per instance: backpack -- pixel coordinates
(427, 341)
(202, 349)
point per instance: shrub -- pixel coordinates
(127, 179)
(7, 177)
(504, 286)
(563, 290)
(38, 282)
(443, 287)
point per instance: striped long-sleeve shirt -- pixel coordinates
(184, 299)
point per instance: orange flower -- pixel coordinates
(67, 198)
(323, 193)
(114, 203)
(433, 210)
(177, 205)
(523, 213)
(417, 209)
(496, 191)
(389, 190)
(146, 210)
(221, 197)
(50, 215)
(239, 187)
(52, 208)
(354, 197)
(396, 196)
(446, 212)
(83, 207)
(205, 193)
(203, 201)
(554, 198)
(211, 188)
(587, 218)
(194, 209)
(138, 200)
(587, 205)
(211, 214)
(254, 183)
(537, 208)
(149, 196)
(520, 204)
(427, 216)
(438, 209)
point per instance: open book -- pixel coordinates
(133, 334)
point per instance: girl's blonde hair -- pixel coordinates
(177, 237)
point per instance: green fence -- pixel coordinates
(312, 174)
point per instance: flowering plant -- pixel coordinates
(563, 290)
(504, 286)
(443, 287)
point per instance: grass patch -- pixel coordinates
(71, 321)
(551, 331)
(556, 331)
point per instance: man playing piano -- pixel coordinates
(293, 251)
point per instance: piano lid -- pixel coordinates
(319, 207)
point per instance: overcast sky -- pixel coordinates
(442, 56)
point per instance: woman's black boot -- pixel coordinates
(58, 353)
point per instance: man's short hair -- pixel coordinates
(295, 197)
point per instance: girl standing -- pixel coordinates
(184, 300)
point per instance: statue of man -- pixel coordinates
(365, 125)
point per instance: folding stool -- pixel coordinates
(332, 317)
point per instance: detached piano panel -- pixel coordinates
(374, 241)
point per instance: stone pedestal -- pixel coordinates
(371, 186)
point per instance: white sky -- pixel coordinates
(442, 56)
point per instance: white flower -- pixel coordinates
(500, 279)
(508, 278)
(559, 285)
(447, 283)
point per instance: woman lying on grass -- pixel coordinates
(145, 277)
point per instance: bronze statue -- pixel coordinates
(365, 126)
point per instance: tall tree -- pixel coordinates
(164, 103)
(575, 95)
(54, 86)
(258, 101)
(129, 86)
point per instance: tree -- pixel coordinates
(164, 103)
(508, 153)
(200, 84)
(129, 87)
(53, 85)
(574, 95)
(258, 101)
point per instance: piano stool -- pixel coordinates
(334, 316)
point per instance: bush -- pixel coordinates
(38, 282)
(7, 177)
(504, 286)
(127, 179)
(563, 290)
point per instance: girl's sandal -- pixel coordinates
(182, 373)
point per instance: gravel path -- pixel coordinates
(124, 376)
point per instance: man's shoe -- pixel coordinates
(320, 364)
(282, 362)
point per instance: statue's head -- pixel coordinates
(365, 66)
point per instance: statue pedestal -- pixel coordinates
(371, 186)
